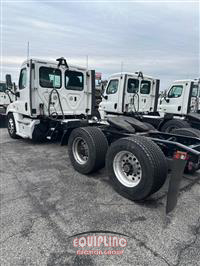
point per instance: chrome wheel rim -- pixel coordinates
(80, 150)
(127, 168)
(11, 126)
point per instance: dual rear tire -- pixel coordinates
(136, 166)
(87, 147)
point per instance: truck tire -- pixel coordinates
(11, 126)
(87, 147)
(160, 163)
(191, 167)
(133, 167)
(174, 124)
(189, 132)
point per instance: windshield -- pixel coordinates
(2, 87)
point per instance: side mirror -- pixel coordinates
(8, 81)
(104, 97)
(17, 94)
(165, 96)
(167, 100)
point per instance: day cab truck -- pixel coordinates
(55, 99)
(135, 94)
(6, 98)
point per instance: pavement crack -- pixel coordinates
(153, 252)
(183, 189)
(23, 232)
(14, 199)
(61, 236)
(10, 236)
(196, 232)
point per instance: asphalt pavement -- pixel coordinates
(45, 204)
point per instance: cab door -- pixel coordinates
(76, 94)
(47, 78)
(23, 101)
(146, 95)
(173, 102)
(193, 103)
(111, 96)
(131, 97)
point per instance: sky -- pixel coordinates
(161, 39)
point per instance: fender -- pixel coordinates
(11, 108)
(24, 126)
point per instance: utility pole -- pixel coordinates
(87, 61)
(122, 66)
(28, 50)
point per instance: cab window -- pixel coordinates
(23, 79)
(175, 91)
(112, 86)
(50, 77)
(2, 87)
(74, 80)
(145, 87)
(194, 91)
(133, 86)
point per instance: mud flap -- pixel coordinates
(177, 167)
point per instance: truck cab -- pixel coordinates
(129, 92)
(50, 90)
(181, 98)
(5, 96)
(70, 87)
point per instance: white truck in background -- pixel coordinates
(135, 94)
(5, 97)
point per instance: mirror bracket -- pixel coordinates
(106, 97)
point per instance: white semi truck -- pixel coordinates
(5, 97)
(135, 94)
(56, 99)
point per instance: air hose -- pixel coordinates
(49, 103)
(50, 98)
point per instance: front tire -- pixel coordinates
(11, 126)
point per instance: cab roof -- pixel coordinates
(129, 74)
(51, 62)
(186, 80)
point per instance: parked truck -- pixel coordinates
(5, 97)
(56, 99)
(135, 94)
